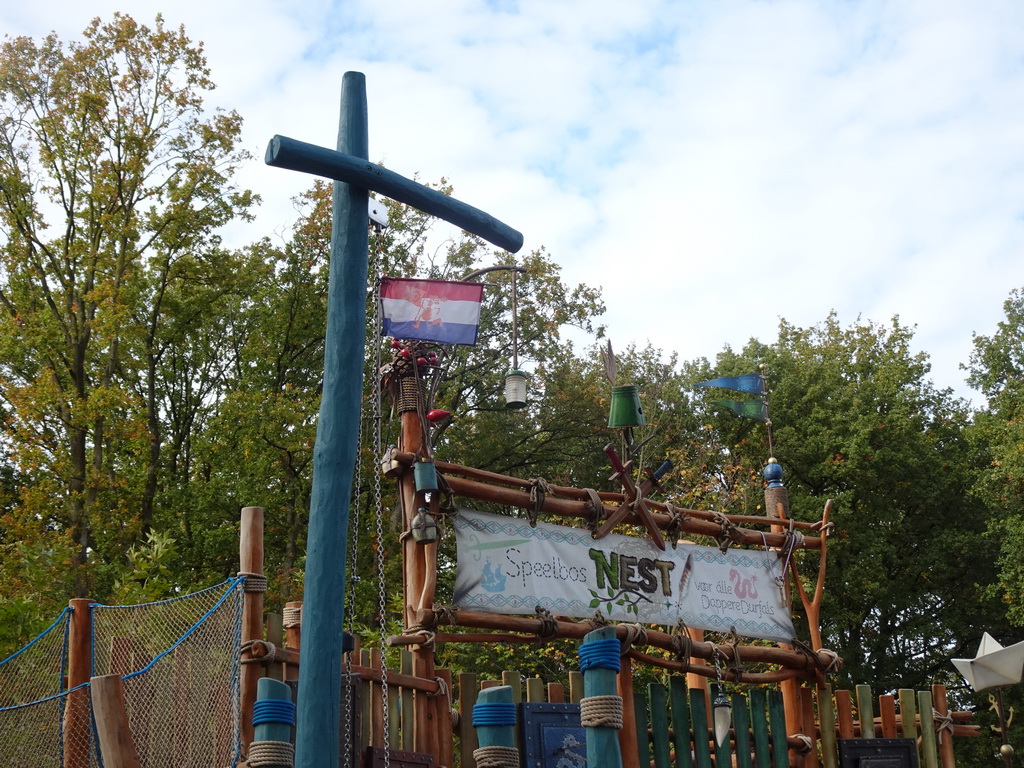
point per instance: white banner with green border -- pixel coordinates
(507, 567)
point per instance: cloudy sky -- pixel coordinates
(714, 165)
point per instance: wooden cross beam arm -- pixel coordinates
(283, 152)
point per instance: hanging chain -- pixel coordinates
(353, 580)
(379, 506)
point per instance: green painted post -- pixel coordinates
(827, 716)
(929, 748)
(741, 730)
(334, 456)
(496, 735)
(680, 721)
(658, 703)
(780, 739)
(268, 689)
(865, 711)
(701, 728)
(759, 727)
(603, 749)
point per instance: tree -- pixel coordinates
(114, 181)
(856, 419)
(996, 369)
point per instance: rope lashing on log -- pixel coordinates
(601, 712)
(253, 582)
(943, 722)
(539, 489)
(635, 635)
(496, 757)
(805, 743)
(548, 625)
(291, 616)
(596, 621)
(682, 644)
(674, 529)
(266, 658)
(445, 614)
(728, 535)
(444, 690)
(267, 753)
(594, 509)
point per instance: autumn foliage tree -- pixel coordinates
(114, 180)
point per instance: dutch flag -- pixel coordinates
(431, 310)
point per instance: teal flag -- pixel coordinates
(752, 383)
(747, 409)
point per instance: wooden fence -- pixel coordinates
(673, 724)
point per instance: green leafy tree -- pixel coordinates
(857, 419)
(114, 180)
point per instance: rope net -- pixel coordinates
(180, 662)
(37, 670)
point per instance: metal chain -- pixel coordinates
(353, 580)
(379, 510)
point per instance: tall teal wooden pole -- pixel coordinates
(334, 456)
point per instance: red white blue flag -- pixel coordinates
(431, 310)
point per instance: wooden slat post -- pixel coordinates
(741, 730)
(275, 719)
(603, 749)
(929, 751)
(408, 706)
(657, 699)
(467, 698)
(292, 635)
(759, 727)
(908, 713)
(115, 738)
(275, 634)
(701, 728)
(946, 756)
(827, 720)
(807, 727)
(76, 712)
(777, 717)
(250, 551)
(640, 724)
(680, 721)
(865, 711)
(844, 714)
(444, 714)
(887, 713)
(628, 743)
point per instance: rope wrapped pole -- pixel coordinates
(494, 718)
(599, 663)
(250, 558)
(273, 718)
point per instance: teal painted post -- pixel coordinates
(603, 749)
(499, 735)
(334, 455)
(268, 689)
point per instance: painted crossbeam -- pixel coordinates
(294, 155)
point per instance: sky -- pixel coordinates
(713, 165)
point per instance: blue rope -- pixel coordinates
(494, 713)
(273, 711)
(601, 654)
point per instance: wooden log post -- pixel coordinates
(494, 718)
(250, 553)
(945, 735)
(115, 738)
(76, 713)
(292, 620)
(599, 663)
(273, 719)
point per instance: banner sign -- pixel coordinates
(505, 566)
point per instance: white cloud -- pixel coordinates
(713, 165)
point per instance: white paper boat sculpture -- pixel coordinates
(994, 666)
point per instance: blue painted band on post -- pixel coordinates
(601, 654)
(494, 713)
(273, 711)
